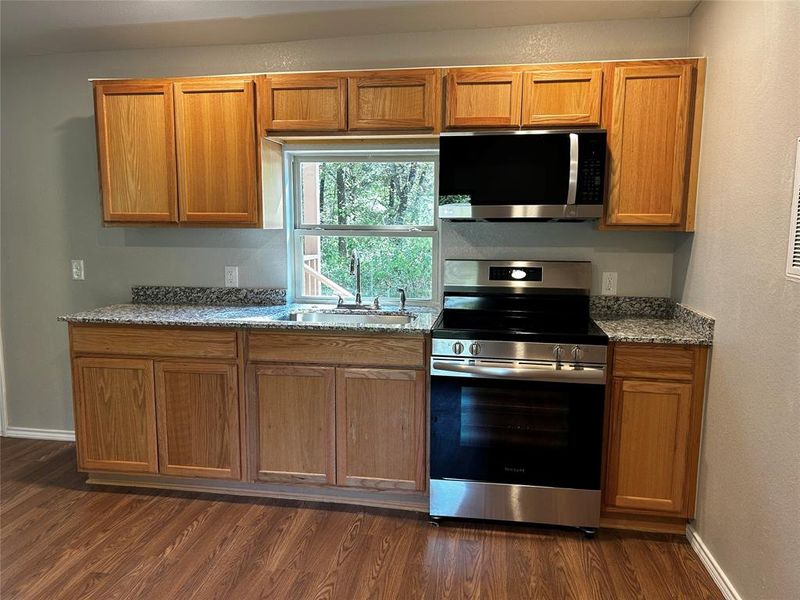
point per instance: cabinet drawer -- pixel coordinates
(389, 351)
(654, 361)
(143, 341)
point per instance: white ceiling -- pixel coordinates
(32, 27)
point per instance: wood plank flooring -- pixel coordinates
(63, 539)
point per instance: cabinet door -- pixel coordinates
(380, 428)
(198, 419)
(217, 151)
(648, 448)
(483, 98)
(648, 145)
(393, 100)
(115, 419)
(136, 152)
(293, 420)
(304, 103)
(561, 97)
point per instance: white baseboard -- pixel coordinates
(712, 566)
(61, 435)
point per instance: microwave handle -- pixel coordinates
(573, 168)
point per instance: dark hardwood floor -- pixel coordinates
(61, 538)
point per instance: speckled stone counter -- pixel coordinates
(208, 296)
(252, 317)
(622, 318)
(651, 320)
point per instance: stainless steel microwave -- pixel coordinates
(534, 175)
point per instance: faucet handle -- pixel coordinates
(376, 304)
(402, 298)
(340, 301)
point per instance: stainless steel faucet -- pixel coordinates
(355, 269)
(402, 298)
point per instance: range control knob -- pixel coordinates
(577, 353)
(557, 353)
(474, 348)
(458, 348)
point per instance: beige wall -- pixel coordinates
(51, 208)
(749, 491)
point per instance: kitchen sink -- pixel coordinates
(379, 318)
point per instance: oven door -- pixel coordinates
(516, 431)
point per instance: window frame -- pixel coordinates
(294, 156)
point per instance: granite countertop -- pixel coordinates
(250, 317)
(651, 320)
(255, 308)
(622, 318)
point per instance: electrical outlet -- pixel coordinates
(609, 284)
(231, 276)
(77, 269)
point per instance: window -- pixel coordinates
(381, 204)
(793, 260)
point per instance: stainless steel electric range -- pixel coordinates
(518, 373)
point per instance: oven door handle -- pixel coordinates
(596, 375)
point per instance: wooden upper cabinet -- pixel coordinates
(380, 421)
(304, 103)
(115, 418)
(648, 139)
(386, 100)
(293, 423)
(479, 97)
(218, 170)
(562, 97)
(649, 441)
(136, 152)
(198, 419)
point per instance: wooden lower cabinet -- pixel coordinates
(115, 415)
(653, 432)
(292, 422)
(649, 445)
(198, 419)
(380, 420)
(353, 427)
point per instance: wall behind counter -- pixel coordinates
(51, 206)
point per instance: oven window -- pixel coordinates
(521, 432)
(494, 418)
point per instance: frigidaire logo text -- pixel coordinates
(514, 469)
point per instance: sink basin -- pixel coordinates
(350, 317)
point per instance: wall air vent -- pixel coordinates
(793, 259)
